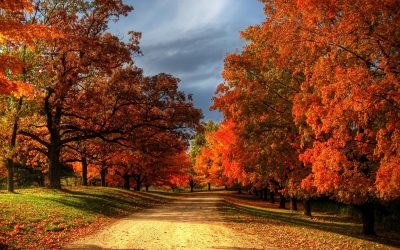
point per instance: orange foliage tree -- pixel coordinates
(68, 67)
(257, 96)
(148, 121)
(314, 101)
(201, 153)
(88, 91)
(349, 97)
(21, 31)
(16, 31)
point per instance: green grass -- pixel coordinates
(28, 213)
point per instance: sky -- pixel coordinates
(189, 39)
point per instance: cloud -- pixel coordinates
(189, 39)
(197, 49)
(200, 13)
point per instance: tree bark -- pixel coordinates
(368, 218)
(191, 184)
(272, 197)
(84, 171)
(103, 173)
(10, 175)
(226, 187)
(147, 188)
(293, 204)
(126, 181)
(54, 168)
(307, 207)
(13, 142)
(266, 194)
(40, 181)
(282, 201)
(138, 179)
(209, 186)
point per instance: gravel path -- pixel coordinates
(195, 221)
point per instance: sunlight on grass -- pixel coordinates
(32, 213)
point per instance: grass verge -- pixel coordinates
(291, 230)
(42, 218)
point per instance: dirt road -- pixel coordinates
(195, 221)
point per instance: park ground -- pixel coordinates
(96, 218)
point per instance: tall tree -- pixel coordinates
(20, 32)
(257, 96)
(69, 65)
(198, 153)
(338, 66)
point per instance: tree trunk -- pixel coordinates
(138, 182)
(138, 179)
(53, 149)
(307, 207)
(368, 218)
(240, 190)
(13, 142)
(282, 201)
(209, 186)
(103, 173)
(256, 192)
(293, 204)
(40, 181)
(191, 184)
(226, 187)
(272, 197)
(10, 175)
(84, 171)
(54, 169)
(147, 188)
(126, 181)
(266, 194)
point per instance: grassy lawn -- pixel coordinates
(41, 218)
(291, 230)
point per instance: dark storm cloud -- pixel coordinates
(188, 54)
(189, 39)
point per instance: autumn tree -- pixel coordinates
(334, 67)
(168, 170)
(87, 91)
(20, 33)
(225, 154)
(198, 153)
(151, 120)
(162, 120)
(18, 30)
(349, 99)
(257, 96)
(68, 67)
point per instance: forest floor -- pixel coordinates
(220, 220)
